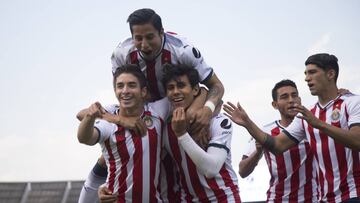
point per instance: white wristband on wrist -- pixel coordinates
(211, 106)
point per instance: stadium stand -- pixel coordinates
(43, 192)
(40, 192)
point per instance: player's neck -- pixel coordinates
(285, 121)
(132, 112)
(328, 94)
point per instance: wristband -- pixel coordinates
(211, 106)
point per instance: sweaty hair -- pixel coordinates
(324, 61)
(172, 72)
(143, 16)
(283, 83)
(131, 69)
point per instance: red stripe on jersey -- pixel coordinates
(308, 174)
(281, 170)
(320, 179)
(153, 140)
(295, 160)
(195, 181)
(170, 179)
(124, 156)
(329, 175)
(138, 168)
(134, 57)
(151, 76)
(341, 157)
(165, 57)
(268, 160)
(230, 183)
(219, 193)
(177, 157)
(112, 167)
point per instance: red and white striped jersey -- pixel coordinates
(133, 161)
(293, 173)
(175, 50)
(338, 166)
(194, 186)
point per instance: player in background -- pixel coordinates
(293, 174)
(331, 126)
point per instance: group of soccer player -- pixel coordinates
(166, 140)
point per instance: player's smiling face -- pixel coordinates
(287, 97)
(128, 92)
(147, 40)
(180, 93)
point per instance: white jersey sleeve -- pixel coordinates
(221, 132)
(111, 108)
(353, 110)
(162, 107)
(295, 131)
(105, 129)
(192, 57)
(120, 55)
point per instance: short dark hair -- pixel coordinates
(282, 83)
(172, 72)
(131, 69)
(324, 61)
(143, 16)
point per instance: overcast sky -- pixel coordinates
(55, 60)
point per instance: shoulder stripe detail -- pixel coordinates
(290, 136)
(219, 146)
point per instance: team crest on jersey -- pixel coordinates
(148, 121)
(335, 115)
(196, 52)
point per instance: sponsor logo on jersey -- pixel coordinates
(225, 124)
(196, 52)
(335, 115)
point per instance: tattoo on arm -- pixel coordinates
(269, 142)
(215, 94)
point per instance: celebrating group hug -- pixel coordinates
(166, 139)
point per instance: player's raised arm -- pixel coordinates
(276, 144)
(86, 132)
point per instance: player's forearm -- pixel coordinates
(349, 138)
(198, 102)
(86, 131)
(216, 92)
(210, 162)
(248, 164)
(81, 114)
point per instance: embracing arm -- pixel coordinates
(208, 162)
(248, 163)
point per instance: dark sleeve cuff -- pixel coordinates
(354, 124)
(291, 137)
(219, 146)
(208, 77)
(98, 138)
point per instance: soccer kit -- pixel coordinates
(133, 161)
(175, 50)
(194, 185)
(338, 166)
(293, 174)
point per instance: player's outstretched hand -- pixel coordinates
(95, 110)
(105, 195)
(236, 113)
(307, 115)
(132, 123)
(178, 122)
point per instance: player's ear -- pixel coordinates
(161, 32)
(144, 92)
(331, 74)
(196, 90)
(274, 104)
